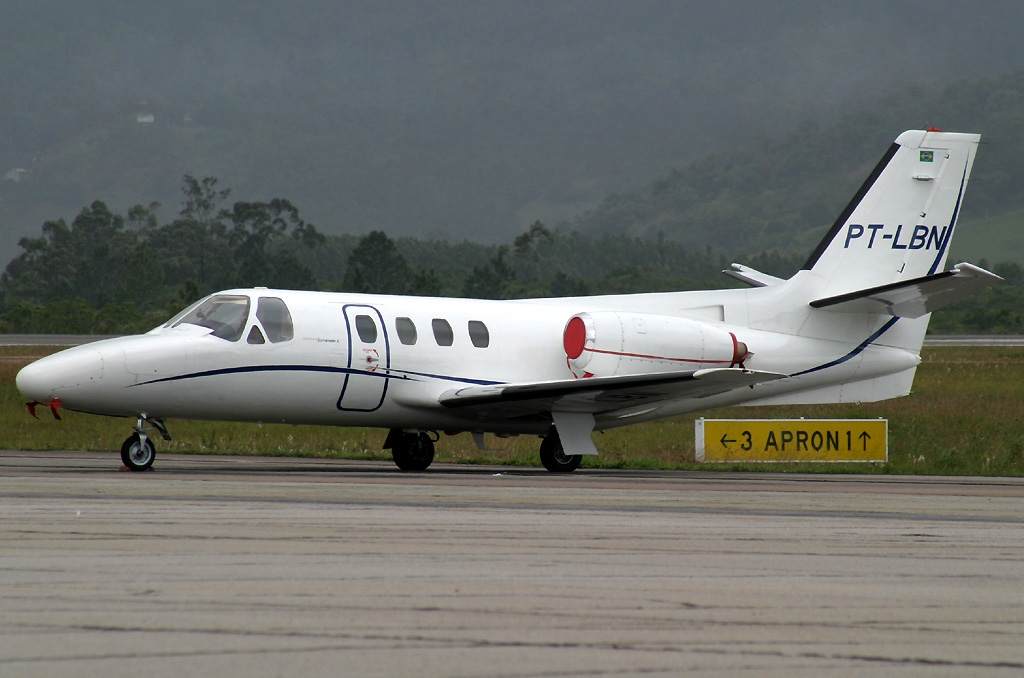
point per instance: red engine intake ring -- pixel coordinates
(575, 338)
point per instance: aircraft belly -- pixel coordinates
(264, 395)
(287, 397)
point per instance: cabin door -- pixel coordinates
(369, 360)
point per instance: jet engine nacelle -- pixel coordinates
(607, 343)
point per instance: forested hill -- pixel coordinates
(783, 194)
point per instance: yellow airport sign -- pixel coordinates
(773, 440)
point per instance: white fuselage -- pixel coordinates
(329, 373)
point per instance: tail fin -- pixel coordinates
(899, 224)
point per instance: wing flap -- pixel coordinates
(913, 298)
(598, 395)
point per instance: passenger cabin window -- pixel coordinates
(366, 328)
(255, 336)
(275, 318)
(225, 314)
(406, 331)
(478, 334)
(443, 334)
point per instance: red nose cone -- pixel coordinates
(575, 338)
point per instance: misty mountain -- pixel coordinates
(783, 194)
(458, 119)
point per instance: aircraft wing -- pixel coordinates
(913, 298)
(750, 276)
(597, 395)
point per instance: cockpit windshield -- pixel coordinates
(225, 314)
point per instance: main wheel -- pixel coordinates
(413, 451)
(553, 455)
(136, 454)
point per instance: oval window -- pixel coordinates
(366, 328)
(406, 329)
(478, 334)
(443, 334)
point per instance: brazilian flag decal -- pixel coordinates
(927, 156)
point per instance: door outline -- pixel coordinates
(354, 375)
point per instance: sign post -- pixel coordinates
(791, 440)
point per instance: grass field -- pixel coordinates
(965, 416)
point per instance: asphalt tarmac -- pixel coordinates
(222, 566)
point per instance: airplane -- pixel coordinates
(847, 327)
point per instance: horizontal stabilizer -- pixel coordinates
(751, 277)
(598, 394)
(913, 298)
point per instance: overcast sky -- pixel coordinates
(465, 118)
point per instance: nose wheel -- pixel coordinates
(138, 451)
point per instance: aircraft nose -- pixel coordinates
(35, 382)
(53, 376)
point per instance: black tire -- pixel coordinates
(413, 451)
(136, 455)
(553, 455)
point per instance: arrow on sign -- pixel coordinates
(725, 441)
(864, 438)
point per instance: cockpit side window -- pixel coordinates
(275, 318)
(225, 314)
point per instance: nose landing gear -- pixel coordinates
(138, 451)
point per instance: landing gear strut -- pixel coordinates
(411, 451)
(553, 456)
(138, 451)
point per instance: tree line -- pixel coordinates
(107, 273)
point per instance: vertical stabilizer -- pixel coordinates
(899, 224)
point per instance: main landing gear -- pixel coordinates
(138, 451)
(411, 451)
(414, 451)
(553, 455)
